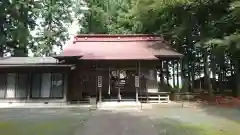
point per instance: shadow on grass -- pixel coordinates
(168, 126)
(232, 114)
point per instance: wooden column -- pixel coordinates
(65, 85)
(100, 94)
(98, 87)
(138, 88)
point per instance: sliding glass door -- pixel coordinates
(47, 85)
(21, 86)
(3, 86)
(11, 80)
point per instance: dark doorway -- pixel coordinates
(121, 85)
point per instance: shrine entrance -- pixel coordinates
(121, 85)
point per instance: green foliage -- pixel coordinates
(54, 19)
(20, 18)
(17, 19)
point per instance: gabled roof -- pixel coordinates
(119, 47)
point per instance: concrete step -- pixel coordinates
(122, 106)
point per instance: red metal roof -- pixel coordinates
(119, 47)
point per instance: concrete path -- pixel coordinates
(117, 123)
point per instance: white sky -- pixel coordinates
(72, 30)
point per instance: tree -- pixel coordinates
(53, 20)
(106, 17)
(16, 21)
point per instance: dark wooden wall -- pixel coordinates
(83, 79)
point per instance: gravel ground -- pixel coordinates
(157, 121)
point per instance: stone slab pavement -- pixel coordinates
(116, 123)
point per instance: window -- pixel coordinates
(3, 87)
(41, 85)
(36, 86)
(21, 86)
(11, 83)
(57, 86)
(47, 85)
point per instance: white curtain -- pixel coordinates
(11, 81)
(151, 80)
(22, 86)
(2, 85)
(46, 85)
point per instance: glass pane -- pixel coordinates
(57, 85)
(11, 83)
(2, 85)
(22, 86)
(46, 85)
(36, 85)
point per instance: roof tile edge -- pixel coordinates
(117, 37)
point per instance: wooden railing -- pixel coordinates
(157, 97)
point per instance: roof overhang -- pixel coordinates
(35, 65)
(62, 57)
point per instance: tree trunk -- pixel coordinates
(178, 74)
(207, 80)
(237, 78)
(167, 71)
(161, 72)
(192, 76)
(20, 52)
(213, 61)
(189, 78)
(173, 75)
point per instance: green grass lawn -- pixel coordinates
(44, 124)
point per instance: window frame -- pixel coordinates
(17, 83)
(62, 86)
(51, 86)
(5, 85)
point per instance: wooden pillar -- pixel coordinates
(138, 88)
(100, 94)
(98, 86)
(66, 85)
